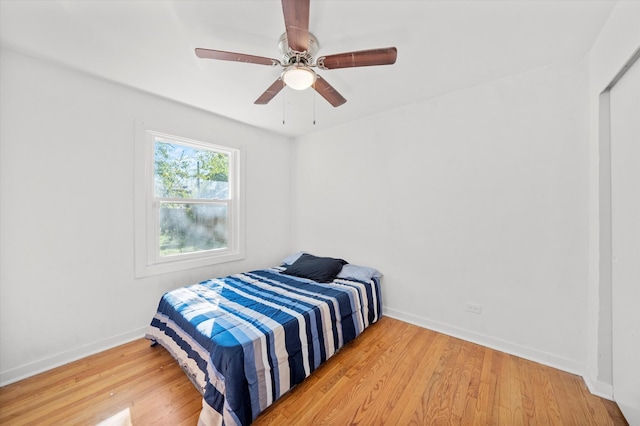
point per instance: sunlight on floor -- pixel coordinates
(123, 418)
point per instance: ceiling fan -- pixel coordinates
(299, 47)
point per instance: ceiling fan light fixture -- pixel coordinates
(299, 77)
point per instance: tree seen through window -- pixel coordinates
(192, 192)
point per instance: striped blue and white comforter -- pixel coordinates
(247, 339)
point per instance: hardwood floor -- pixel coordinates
(395, 373)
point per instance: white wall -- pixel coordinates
(479, 196)
(67, 284)
(617, 41)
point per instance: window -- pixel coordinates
(188, 204)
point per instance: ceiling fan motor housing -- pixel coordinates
(290, 57)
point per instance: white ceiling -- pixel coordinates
(442, 46)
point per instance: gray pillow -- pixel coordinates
(359, 273)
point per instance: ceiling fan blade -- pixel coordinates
(296, 21)
(235, 57)
(362, 58)
(270, 93)
(328, 92)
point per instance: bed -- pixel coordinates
(246, 339)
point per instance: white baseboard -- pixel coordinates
(598, 388)
(36, 367)
(531, 354)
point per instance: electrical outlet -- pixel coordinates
(473, 308)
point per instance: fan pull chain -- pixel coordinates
(314, 106)
(283, 102)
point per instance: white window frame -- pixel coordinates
(147, 259)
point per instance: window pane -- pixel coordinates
(186, 172)
(189, 228)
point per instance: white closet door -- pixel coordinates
(625, 219)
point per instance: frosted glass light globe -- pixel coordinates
(299, 77)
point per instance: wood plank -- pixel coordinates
(527, 392)
(485, 395)
(515, 391)
(461, 391)
(395, 373)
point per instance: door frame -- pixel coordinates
(605, 278)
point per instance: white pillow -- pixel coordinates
(292, 258)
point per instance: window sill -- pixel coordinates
(184, 264)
